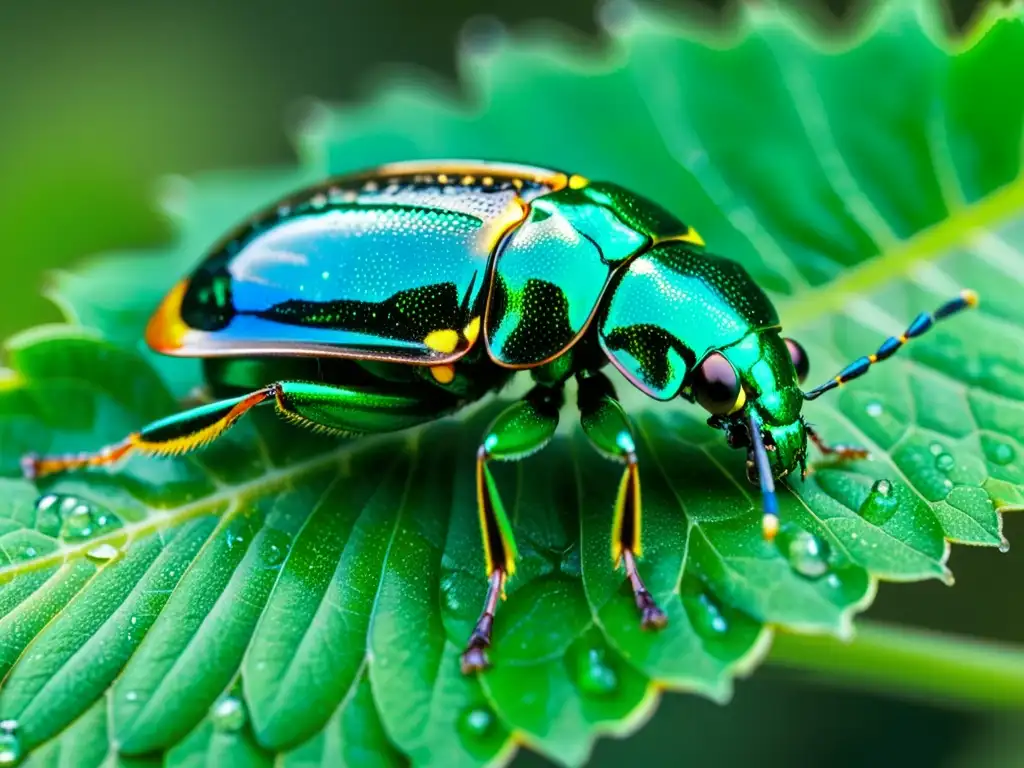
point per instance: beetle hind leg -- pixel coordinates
(323, 407)
(607, 427)
(520, 430)
(174, 435)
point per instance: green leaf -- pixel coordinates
(282, 596)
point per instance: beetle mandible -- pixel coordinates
(381, 300)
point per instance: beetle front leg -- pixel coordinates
(838, 451)
(607, 427)
(520, 430)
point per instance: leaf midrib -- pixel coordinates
(958, 228)
(227, 496)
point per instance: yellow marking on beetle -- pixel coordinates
(442, 178)
(443, 374)
(468, 180)
(518, 175)
(741, 400)
(873, 358)
(490, 234)
(472, 331)
(903, 338)
(970, 297)
(691, 236)
(839, 381)
(578, 182)
(444, 341)
(166, 330)
(487, 181)
(629, 485)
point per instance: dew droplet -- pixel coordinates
(999, 452)
(593, 673)
(881, 503)
(48, 520)
(131, 696)
(1004, 545)
(805, 552)
(78, 518)
(944, 462)
(874, 409)
(708, 619)
(450, 594)
(475, 722)
(24, 551)
(231, 539)
(228, 714)
(274, 547)
(936, 449)
(103, 553)
(10, 744)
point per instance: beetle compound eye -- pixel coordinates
(799, 357)
(717, 387)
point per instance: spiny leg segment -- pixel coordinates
(174, 435)
(607, 427)
(521, 429)
(320, 406)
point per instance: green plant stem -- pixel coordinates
(912, 663)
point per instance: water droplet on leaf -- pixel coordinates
(593, 673)
(805, 552)
(874, 409)
(881, 503)
(24, 551)
(944, 462)
(48, 519)
(1004, 545)
(78, 518)
(475, 722)
(228, 714)
(936, 449)
(708, 620)
(999, 452)
(10, 745)
(103, 553)
(449, 593)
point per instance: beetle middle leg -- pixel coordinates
(321, 406)
(523, 428)
(607, 427)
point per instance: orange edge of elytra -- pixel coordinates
(166, 330)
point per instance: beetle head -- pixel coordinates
(752, 391)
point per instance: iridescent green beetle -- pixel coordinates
(382, 300)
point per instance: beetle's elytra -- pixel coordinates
(382, 300)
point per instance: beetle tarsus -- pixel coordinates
(35, 466)
(30, 466)
(837, 451)
(652, 618)
(474, 658)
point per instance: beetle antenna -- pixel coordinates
(922, 323)
(769, 501)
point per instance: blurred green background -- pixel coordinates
(100, 100)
